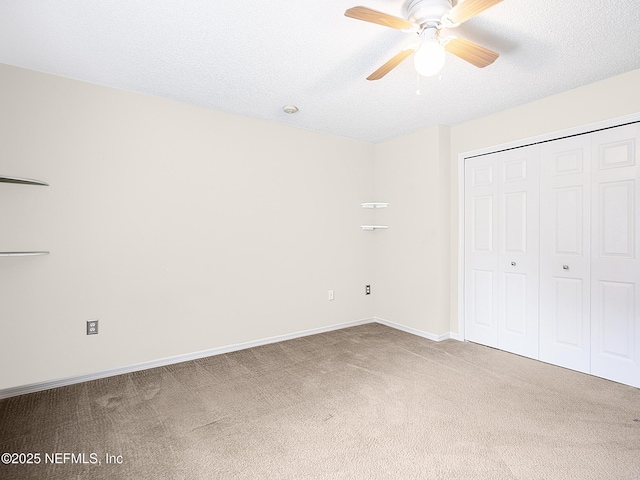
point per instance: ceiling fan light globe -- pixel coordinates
(429, 59)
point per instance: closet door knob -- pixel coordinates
(513, 264)
(565, 267)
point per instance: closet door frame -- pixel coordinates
(580, 130)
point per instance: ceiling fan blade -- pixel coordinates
(470, 52)
(390, 65)
(469, 8)
(373, 16)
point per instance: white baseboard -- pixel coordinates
(414, 331)
(46, 385)
(456, 336)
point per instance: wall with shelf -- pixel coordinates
(411, 257)
(158, 222)
(22, 181)
(168, 226)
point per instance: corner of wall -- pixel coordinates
(412, 260)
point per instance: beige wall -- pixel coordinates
(180, 228)
(412, 174)
(184, 229)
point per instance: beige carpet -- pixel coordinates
(366, 402)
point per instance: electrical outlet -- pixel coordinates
(92, 327)
(331, 297)
(367, 289)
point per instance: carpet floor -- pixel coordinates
(367, 402)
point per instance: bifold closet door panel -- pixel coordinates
(481, 246)
(518, 250)
(565, 256)
(501, 250)
(615, 263)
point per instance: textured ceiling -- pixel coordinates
(254, 57)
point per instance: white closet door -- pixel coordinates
(481, 247)
(615, 267)
(565, 335)
(518, 251)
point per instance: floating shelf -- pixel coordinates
(23, 181)
(374, 205)
(374, 227)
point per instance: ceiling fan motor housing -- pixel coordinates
(427, 11)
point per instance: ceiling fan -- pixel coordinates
(427, 18)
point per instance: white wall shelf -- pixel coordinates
(23, 181)
(374, 227)
(374, 205)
